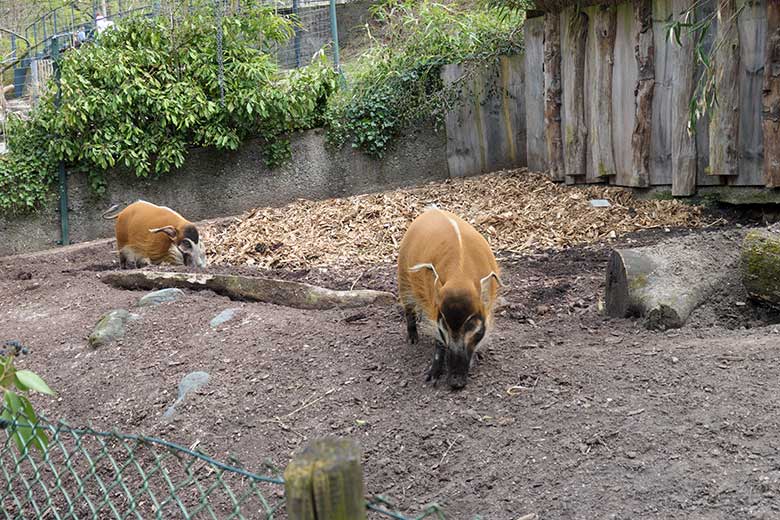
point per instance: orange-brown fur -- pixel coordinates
(432, 239)
(132, 231)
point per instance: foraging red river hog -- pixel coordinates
(448, 276)
(150, 234)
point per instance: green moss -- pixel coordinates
(638, 282)
(761, 265)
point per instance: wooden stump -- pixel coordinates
(760, 266)
(664, 283)
(325, 480)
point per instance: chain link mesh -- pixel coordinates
(88, 474)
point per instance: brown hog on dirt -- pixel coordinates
(448, 275)
(151, 234)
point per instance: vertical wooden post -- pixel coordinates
(325, 480)
(770, 114)
(683, 141)
(644, 52)
(575, 132)
(602, 156)
(724, 118)
(552, 95)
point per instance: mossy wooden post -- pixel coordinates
(574, 34)
(761, 266)
(684, 156)
(325, 480)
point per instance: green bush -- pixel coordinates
(396, 83)
(147, 91)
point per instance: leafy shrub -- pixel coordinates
(15, 406)
(396, 82)
(148, 90)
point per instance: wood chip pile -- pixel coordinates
(516, 211)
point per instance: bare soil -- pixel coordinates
(569, 415)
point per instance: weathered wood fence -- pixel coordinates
(608, 95)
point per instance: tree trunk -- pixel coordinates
(602, 155)
(761, 266)
(644, 51)
(267, 290)
(664, 283)
(552, 94)
(573, 70)
(771, 98)
(683, 142)
(724, 118)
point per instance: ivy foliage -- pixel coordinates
(147, 90)
(396, 82)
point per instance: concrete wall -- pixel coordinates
(214, 184)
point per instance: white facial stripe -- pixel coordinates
(457, 231)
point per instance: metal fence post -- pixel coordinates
(334, 31)
(63, 177)
(297, 34)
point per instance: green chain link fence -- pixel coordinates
(87, 474)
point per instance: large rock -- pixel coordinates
(110, 327)
(161, 296)
(760, 266)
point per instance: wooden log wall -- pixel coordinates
(617, 95)
(487, 130)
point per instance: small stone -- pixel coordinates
(110, 327)
(542, 309)
(675, 359)
(631, 454)
(161, 296)
(189, 383)
(222, 317)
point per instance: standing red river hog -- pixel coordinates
(150, 234)
(448, 276)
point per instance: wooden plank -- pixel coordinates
(631, 97)
(602, 26)
(574, 26)
(683, 142)
(513, 78)
(552, 95)
(724, 114)
(771, 97)
(463, 139)
(500, 102)
(661, 134)
(535, 46)
(753, 38)
(705, 9)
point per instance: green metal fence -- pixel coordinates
(87, 474)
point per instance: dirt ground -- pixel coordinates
(570, 415)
